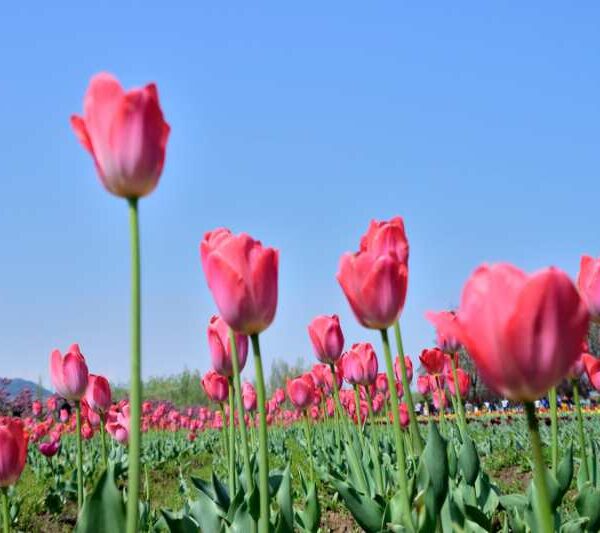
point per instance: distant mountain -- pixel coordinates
(17, 385)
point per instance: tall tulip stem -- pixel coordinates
(553, 427)
(231, 440)
(412, 417)
(309, 444)
(582, 446)
(237, 385)
(79, 457)
(359, 422)
(135, 392)
(400, 453)
(263, 450)
(462, 422)
(545, 519)
(103, 437)
(5, 511)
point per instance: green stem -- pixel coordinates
(414, 427)
(582, 446)
(79, 457)
(263, 450)
(375, 435)
(5, 512)
(231, 441)
(400, 453)
(224, 434)
(309, 442)
(135, 393)
(545, 519)
(362, 482)
(240, 407)
(553, 427)
(147, 483)
(441, 402)
(358, 420)
(103, 438)
(460, 408)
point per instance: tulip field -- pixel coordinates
(368, 439)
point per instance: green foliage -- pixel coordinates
(181, 389)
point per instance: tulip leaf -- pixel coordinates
(468, 461)
(588, 505)
(103, 510)
(179, 524)
(284, 499)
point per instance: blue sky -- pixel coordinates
(478, 122)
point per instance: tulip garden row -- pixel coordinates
(345, 432)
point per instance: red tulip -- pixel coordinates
(220, 347)
(439, 399)
(359, 364)
(523, 332)
(433, 360)
(249, 396)
(125, 133)
(13, 450)
(216, 386)
(327, 338)
(242, 276)
(398, 370)
(386, 237)
(98, 394)
(51, 403)
(592, 369)
(443, 324)
(375, 286)
(589, 284)
(300, 391)
(69, 374)
(464, 381)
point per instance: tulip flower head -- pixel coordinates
(98, 394)
(359, 364)
(69, 373)
(327, 338)
(216, 386)
(300, 391)
(220, 347)
(384, 237)
(125, 133)
(13, 450)
(242, 277)
(524, 332)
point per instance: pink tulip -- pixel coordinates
(386, 237)
(375, 286)
(242, 276)
(423, 384)
(118, 424)
(64, 416)
(447, 343)
(249, 396)
(300, 391)
(13, 450)
(93, 418)
(398, 371)
(433, 361)
(51, 403)
(98, 394)
(592, 369)
(464, 381)
(327, 338)
(523, 332)
(328, 378)
(125, 133)
(216, 386)
(381, 383)
(359, 364)
(279, 396)
(69, 374)
(49, 448)
(220, 347)
(36, 408)
(439, 399)
(589, 284)
(403, 415)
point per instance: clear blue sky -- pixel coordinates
(478, 122)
